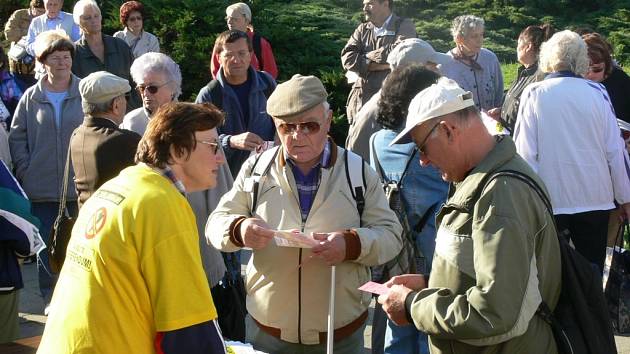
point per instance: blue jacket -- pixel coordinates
(258, 122)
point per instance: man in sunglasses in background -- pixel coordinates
(241, 92)
(305, 188)
(99, 149)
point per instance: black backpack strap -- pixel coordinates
(256, 43)
(216, 93)
(258, 172)
(425, 218)
(356, 182)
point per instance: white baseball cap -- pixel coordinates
(437, 100)
(415, 51)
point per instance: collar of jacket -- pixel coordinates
(333, 155)
(73, 89)
(528, 71)
(90, 121)
(109, 43)
(257, 83)
(390, 26)
(564, 73)
(462, 194)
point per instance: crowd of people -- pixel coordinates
(166, 194)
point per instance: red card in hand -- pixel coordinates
(374, 288)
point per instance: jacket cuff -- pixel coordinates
(235, 231)
(353, 244)
(408, 304)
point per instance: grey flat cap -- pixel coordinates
(295, 96)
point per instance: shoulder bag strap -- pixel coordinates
(64, 188)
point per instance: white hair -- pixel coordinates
(79, 9)
(462, 25)
(565, 50)
(158, 63)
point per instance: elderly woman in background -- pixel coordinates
(475, 69)
(602, 69)
(44, 120)
(132, 16)
(527, 50)
(97, 51)
(159, 82)
(566, 130)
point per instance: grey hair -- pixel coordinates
(79, 9)
(462, 25)
(92, 109)
(565, 50)
(158, 63)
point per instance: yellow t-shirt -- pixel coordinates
(132, 269)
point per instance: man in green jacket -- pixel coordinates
(496, 254)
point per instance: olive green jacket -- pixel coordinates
(495, 258)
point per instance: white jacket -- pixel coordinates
(567, 131)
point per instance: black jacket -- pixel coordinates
(99, 151)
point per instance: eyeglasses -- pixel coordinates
(426, 138)
(134, 18)
(306, 128)
(215, 146)
(153, 89)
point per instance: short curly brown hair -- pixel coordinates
(127, 8)
(174, 125)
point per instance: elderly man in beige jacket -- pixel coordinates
(304, 190)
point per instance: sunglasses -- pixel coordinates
(306, 128)
(153, 89)
(213, 145)
(422, 146)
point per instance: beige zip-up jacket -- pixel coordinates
(294, 299)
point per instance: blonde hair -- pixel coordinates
(565, 50)
(51, 41)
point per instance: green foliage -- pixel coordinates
(307, 36)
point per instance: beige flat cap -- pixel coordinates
(101, 87)
(295, 96)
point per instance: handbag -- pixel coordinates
(229, 300)
(616, 282)
(62, 228)
(17, 52)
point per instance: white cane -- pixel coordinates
(331, 313)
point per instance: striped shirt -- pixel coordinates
(307, 184)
